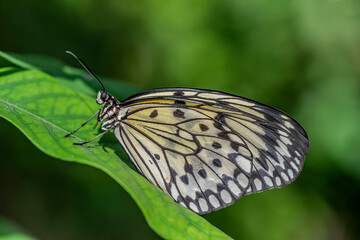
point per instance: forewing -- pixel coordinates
(206, 149)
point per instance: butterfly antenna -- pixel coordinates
(86, 68)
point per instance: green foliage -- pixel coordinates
(8, 231)
(45, 108)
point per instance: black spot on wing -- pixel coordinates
(154, 114)
(202, 173)
(217, 162)
(185, 179)
(234, 146)
(223, 135)
(178, 113)
(216, 145)
(203, 127)
(219, 126)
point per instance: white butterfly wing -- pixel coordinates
(206, 149)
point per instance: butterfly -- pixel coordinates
(204, 148)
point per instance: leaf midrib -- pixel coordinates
(38, 117)
(56, 126)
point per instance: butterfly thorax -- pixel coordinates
(111, 110)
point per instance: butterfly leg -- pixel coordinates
(97, 113)
(103, 133)
(98, 116)
(106, 127)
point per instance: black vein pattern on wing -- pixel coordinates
(154, 161)
(221, 179)
(261, 122)
(141, 132)
(173, 178)
(269, 145)
(139, 155)
(210, 150)
(202, 147)
(201, 160)
(261, 137)
(167, 138)
(202, 193)
(146, 95)
(246, 141)
(214, 193)
(272, 128)
(207, 118)
(256, 119)
(271, 122)
(267, 126)
(201, 104)
(120, 130)
(222, 204)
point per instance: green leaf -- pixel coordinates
(45, 106)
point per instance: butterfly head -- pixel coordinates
(102, 97)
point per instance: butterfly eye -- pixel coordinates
(103, 96)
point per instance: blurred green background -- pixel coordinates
(300, 56)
